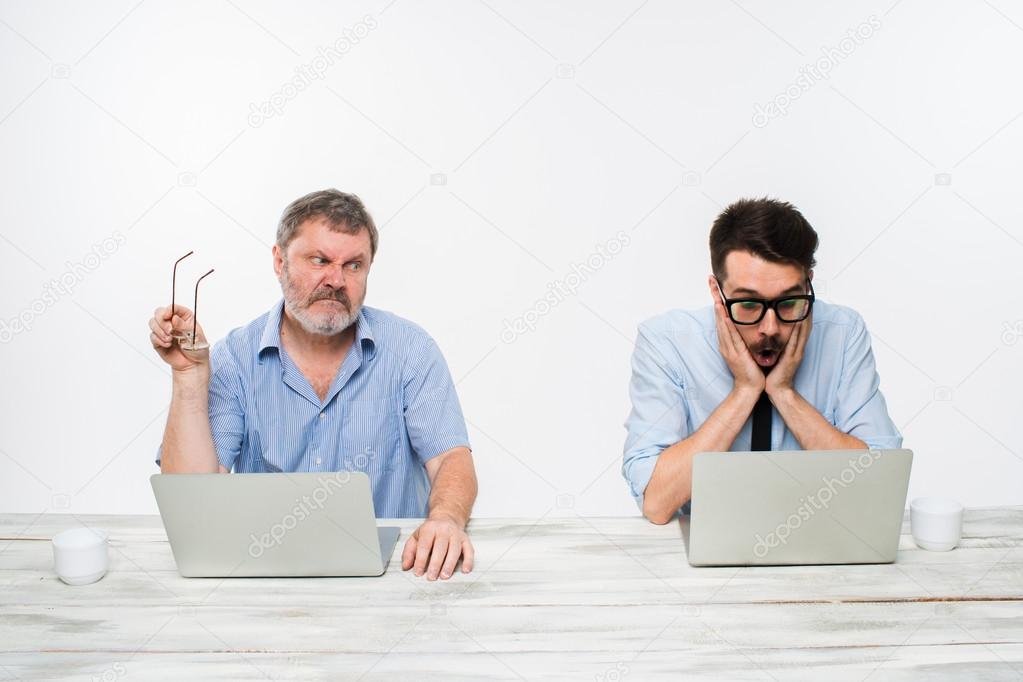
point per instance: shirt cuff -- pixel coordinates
(439, 446)
(639, 471)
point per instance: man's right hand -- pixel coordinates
(744, 368)
(160, 327)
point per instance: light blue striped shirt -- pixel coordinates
(391, 408)
(679, 378)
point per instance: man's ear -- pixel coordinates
(278, 256)
(809, 275)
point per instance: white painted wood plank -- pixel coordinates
(990, 662)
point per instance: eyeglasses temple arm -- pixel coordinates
(174, 280)
(195, 305)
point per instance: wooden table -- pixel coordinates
(574, 598)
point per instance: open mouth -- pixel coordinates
(766, 358)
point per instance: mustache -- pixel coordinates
(772, 343)
(331, 295)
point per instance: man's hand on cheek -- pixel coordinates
(740, 362)
(435, 547)
(782, 375)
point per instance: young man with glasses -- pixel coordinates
(766, 367)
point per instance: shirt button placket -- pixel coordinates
(319, 460)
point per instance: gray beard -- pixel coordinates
(331, 325)
(324, 325)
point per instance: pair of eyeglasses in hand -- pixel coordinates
(186, 338)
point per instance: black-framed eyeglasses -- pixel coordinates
(788, 309)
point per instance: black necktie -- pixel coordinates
(762, 423)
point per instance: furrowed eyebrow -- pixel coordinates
(357, 257)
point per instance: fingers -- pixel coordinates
(804, 334)
(724, 338)
(160, 326)
(713, 286)
(197, 355)
(163, 313)
(738, 346)
(159, 337)
(408, 554)
(184, 313)
(733, 349)
(719, 314)
(157, 343)
(454, 551)
(736, 337)
(792, 348)
(181, 323)
(719, 303)
(792, 354)
(793, 341)
(468, 555)
(163, 323)
(726, 329)
(437, 555)
(425, 544)
(434, 550)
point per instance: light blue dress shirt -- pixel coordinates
(392, 407)
(679, 378)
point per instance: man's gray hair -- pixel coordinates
(344, 212)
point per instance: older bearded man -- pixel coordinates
(323, 383)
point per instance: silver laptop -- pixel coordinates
(279, 524)
(802, 507)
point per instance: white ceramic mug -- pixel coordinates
(936, 523)
(80, 555)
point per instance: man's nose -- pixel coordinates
(335, 276)
(769, 325)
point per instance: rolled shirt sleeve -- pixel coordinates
(659, 417)
(860, 408)
(433, 415)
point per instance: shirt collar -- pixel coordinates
(271, 337)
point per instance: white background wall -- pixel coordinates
(498, 143)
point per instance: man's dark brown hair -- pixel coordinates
(773, 230)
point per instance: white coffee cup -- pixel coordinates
(80, 555)
(936, 523)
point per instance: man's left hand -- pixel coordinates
(435, 547)
(780, 378)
